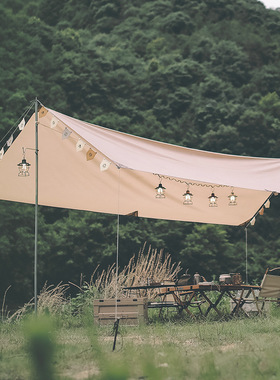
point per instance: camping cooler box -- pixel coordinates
(130, 311)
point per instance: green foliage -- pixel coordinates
(240, 348)
(41, 346)
(270, 104)
(207, 250)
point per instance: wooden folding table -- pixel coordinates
(188, 296)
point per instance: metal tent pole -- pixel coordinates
(246, 258)
(117, 248)
(36, 207)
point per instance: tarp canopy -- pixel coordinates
(72, 176)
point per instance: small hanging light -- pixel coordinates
(232, 199)
(23, 166)
(187, 197)
(253, 221)
(213, 200)
(160, 191)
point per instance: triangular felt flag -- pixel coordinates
(66, 133)
(80, 145)
(104, 165)
(42, 112)
(54, 122)
(1, 153)
(21, 124)
(134, 213)
(90, 154)
(10, 141)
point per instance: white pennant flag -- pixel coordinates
(21, 124)
(10, 141)
(1, 153)
(104, 165)
(54, 122)
(267, 204)
(80, 145)
(66, 133)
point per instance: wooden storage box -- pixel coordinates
(131, 311)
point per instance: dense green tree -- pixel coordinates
(208, 251)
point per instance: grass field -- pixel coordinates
(60, 347)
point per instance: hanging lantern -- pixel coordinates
(160, 191)
(188, 198)
(23, 168)
(213, 200)
(232, 199)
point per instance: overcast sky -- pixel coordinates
(271, 3)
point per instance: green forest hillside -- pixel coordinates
(202, 74)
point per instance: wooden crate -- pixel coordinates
(131, 311)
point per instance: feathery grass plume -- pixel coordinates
(4, 313)
(155, 265)
(51, 299)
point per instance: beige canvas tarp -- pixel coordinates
(69, 179)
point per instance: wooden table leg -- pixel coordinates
(184, 304)
(201, 313)
(211, 304)
(239, 303)
(160, 310)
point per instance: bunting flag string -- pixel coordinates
(90, 154)
(15, 130)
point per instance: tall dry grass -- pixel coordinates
(155, 266)
(51, 299)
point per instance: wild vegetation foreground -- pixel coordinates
(61, 347)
